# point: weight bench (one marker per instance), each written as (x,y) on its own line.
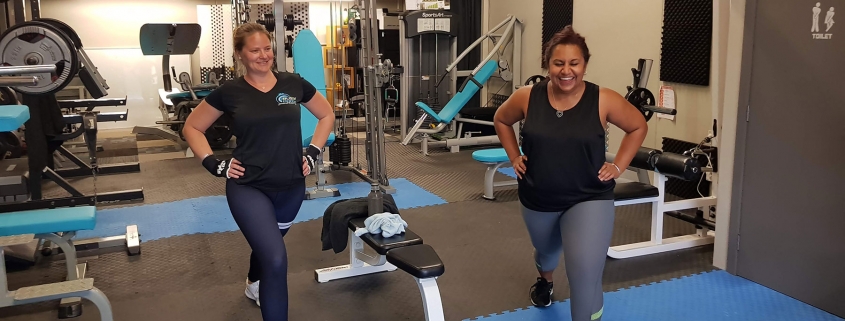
(662,165)
(57,225)
(404,251)
(449,114)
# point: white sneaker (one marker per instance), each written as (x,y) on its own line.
(252,291)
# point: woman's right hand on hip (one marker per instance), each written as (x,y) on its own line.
(519,165)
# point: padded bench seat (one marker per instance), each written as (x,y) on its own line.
(187,94)
(492,155)
(406,251)
(42,221)
(382,244)
(419,260)
(634,190)
(13,117)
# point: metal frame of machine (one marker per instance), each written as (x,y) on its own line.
(508,71)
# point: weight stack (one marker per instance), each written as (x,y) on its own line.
(340,152)
(686,42)
(557,14)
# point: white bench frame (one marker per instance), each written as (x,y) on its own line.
(69,291)
(657,243)
(361,263)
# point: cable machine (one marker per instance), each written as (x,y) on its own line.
(363,31)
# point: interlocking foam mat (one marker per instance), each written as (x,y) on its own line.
(701,297)
(211,214)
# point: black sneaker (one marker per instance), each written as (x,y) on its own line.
(541,293)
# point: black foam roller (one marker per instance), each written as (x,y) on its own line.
(644,158)
(678,166)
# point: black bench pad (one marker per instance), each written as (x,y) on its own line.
(384,244)
(634,190)
(418,260)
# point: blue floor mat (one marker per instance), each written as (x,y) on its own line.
(703,297)
(507,171)
(211,214)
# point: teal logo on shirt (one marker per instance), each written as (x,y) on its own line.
(285,99)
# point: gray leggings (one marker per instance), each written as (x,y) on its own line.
(583,233)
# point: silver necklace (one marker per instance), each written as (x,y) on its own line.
(559,113)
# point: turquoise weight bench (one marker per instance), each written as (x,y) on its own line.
(56,225)
(186,95)
(662,166)
(450,112)
(494,158)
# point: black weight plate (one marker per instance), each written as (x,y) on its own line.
(534,79)
(217,135)
(220,132)
(77,42)
(11,145)
(8,97)
(39,43)
(641,97)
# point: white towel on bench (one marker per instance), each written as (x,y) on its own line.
(387,224)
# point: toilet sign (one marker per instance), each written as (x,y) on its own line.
(821,28)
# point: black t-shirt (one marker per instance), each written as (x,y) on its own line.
(267,127)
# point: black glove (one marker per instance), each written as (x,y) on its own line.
(311,155)
(217,167)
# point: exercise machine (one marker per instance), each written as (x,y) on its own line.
(175,105)
(449,115)
(279,27)
(426,49)
(56,225)
(405,251)
(39,58)
(307,58)
(56,44)
(642,98)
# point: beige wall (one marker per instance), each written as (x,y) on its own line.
(109,30)
(115,24)
(618,34)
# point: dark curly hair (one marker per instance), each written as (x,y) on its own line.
(566,36)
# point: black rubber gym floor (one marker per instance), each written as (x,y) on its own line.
(483,244)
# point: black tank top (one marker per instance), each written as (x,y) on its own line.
(565,152)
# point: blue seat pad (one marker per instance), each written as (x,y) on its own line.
(187,94)
(13,117)
(63,219)
(493,155)
(451,109)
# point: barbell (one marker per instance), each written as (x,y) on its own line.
(643,100)
(51,53)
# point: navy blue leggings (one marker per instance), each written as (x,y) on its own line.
(264,218)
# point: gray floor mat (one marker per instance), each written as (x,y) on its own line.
(483,245)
